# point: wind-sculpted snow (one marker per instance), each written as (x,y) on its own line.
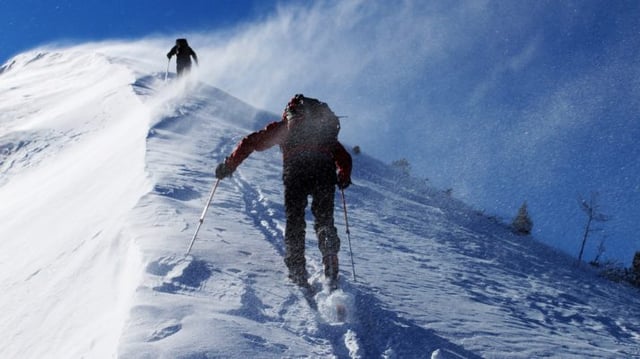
(450,274)
(103,182)
(72,168)
(188,276)
(237,266)
(20,150)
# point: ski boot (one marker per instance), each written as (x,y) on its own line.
(300,278)
(330,262)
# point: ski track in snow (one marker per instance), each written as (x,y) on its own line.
(434,278)
(258,197)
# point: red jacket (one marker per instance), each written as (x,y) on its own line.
(276,133)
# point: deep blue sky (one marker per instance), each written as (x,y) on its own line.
(502,101)
(27,23)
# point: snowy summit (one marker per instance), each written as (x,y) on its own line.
(105,169)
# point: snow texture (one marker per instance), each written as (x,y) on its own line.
(105,169)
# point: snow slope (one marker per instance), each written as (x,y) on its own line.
(105,170)
(68,267)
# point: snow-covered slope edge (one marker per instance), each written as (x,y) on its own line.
(232,299)
(104,173)
(433,275)
(72,142)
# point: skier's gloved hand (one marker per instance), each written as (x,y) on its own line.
(223,171)
(169,56)
(343,180)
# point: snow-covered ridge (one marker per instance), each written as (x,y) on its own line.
(72,142)
(53,99)
(104,172)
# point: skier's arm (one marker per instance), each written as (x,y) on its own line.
(172,52)
(195,57)
(261,140)
(343,164)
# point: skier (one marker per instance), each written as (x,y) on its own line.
(183,53)
(314,162)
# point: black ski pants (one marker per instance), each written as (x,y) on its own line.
(183,66)
(304,178)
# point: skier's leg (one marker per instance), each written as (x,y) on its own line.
(328,240)
(294,238)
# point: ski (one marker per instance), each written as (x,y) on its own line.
(326,298)
(309,293)
(341,312)
(319,299)
(340,308)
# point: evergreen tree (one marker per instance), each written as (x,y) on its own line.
(522,224)
(635,269)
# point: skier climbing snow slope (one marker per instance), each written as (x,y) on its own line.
(102,180)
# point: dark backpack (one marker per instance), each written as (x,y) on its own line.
(311,124)
(182,48)
(182,43)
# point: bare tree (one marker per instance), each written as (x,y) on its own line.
(592,209)
(403,165)
(601,249)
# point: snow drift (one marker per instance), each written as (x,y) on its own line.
(105,169)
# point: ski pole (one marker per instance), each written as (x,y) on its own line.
(346,222)
(166,73)
(204,212)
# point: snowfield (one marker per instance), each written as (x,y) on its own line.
(105,169)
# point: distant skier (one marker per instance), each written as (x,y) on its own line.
(314,162)
(183,53)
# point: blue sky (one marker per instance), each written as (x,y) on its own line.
(24,24)
(501,101)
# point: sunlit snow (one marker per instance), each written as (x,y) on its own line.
(105,169)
